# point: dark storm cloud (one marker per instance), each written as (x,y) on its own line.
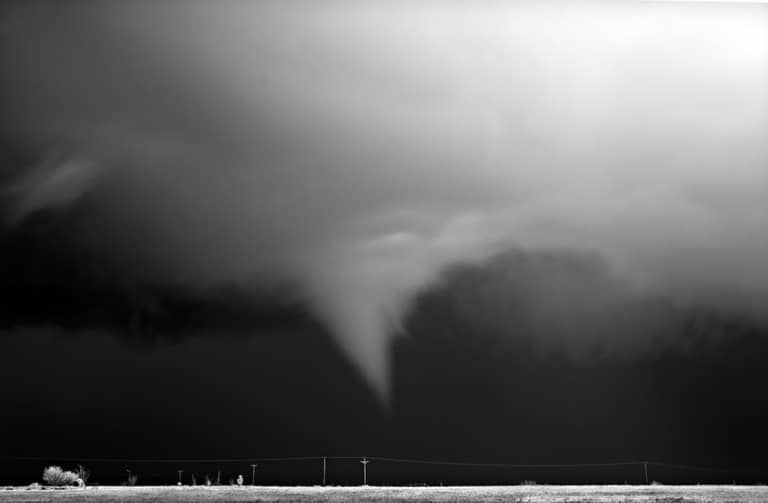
(561,301)
(73,290)
(353,151)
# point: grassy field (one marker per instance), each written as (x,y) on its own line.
(533,494)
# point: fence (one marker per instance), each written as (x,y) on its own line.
(357,470)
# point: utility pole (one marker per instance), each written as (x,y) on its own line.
(253,474)
(179,472)
(323,470)
(645,465)
(365,471)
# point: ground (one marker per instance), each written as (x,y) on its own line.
(532,494)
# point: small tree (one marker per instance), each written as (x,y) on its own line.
(83,473)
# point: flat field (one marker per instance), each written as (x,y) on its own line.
(533,494)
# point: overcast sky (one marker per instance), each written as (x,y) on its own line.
(602,165)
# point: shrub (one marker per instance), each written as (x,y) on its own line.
(55,476)
(132,479)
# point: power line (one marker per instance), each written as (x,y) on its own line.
(136,460)
(710,469)
(392,460)
(504,465)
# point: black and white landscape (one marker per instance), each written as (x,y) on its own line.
(527,241)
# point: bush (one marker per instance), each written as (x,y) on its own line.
(55,476)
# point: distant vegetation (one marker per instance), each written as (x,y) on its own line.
(55,476)
(83,473)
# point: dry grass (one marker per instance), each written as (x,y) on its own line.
(532,494)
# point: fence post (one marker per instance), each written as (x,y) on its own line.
(323,470)
(645,465)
